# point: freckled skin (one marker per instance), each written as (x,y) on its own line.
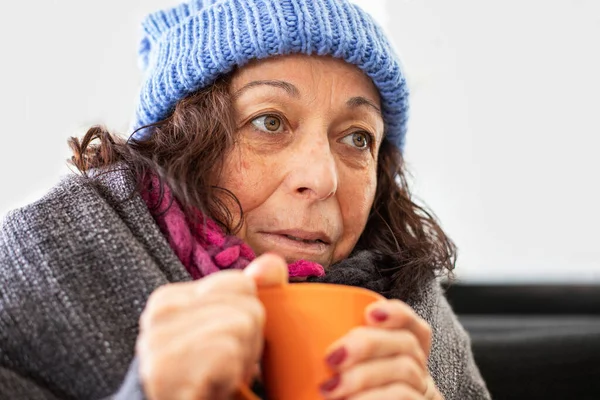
(311,173)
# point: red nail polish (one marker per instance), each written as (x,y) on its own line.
(330,384)
(379,315)
(337,357)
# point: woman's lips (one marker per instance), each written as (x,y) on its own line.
(286,242)
(301,235)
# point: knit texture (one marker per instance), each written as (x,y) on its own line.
(187,47)
(76,270)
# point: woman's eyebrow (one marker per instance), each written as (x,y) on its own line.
(359,101)
(288,87)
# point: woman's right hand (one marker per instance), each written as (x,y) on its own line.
(202,339)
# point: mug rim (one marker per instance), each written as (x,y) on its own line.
(320,287)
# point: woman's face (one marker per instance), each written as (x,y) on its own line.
(305,160)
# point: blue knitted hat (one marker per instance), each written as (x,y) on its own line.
(188,47)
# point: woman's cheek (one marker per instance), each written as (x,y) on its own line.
(356,193)
(248,176)
(356,200)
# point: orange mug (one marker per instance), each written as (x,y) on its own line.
(302,321)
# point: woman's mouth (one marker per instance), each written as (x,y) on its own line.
(303,240)
(296,241)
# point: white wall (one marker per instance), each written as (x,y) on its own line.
(505,130)
(502,141)
(64,66)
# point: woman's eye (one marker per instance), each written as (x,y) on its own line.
(360,140)
(267,123)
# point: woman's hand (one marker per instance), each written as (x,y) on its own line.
(200,340)
(386,359)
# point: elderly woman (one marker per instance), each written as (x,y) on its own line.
(268,142)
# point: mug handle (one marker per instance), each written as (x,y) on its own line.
(244,393)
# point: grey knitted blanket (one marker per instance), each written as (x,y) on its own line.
(76,269)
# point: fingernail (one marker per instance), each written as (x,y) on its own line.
(330,384)
(379,315)
(337,357)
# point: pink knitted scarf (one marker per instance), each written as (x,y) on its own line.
(200,244)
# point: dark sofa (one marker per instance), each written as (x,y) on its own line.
(533,341)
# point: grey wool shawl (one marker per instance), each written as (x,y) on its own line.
(76,269)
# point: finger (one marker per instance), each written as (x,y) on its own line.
(180,308)
(242,318)
(377,373)
(250,340)
(218,311)
(253,374)
(214,367)
(394,314)
(395,391)
(168,299)
(368,343)
(190,354)
(228,281)
(268,270)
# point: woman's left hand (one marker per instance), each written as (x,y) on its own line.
(386,359)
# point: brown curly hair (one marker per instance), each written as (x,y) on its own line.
(187,150)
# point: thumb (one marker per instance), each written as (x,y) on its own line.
(268,270)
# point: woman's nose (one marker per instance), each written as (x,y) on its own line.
(314,173)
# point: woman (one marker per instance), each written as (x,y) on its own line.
(270,128)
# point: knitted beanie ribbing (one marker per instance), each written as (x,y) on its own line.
(187,47)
